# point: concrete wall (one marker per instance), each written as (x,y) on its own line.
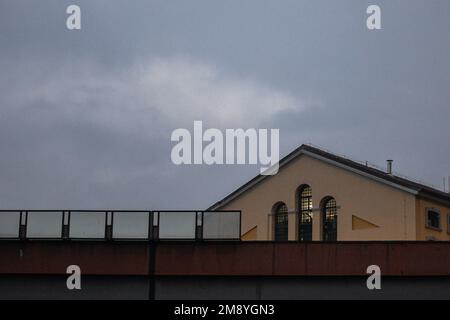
(50,287)
(300,288)
(391,209)
(221,288)
(223,270)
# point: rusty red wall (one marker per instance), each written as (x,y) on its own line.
(296,259)
(222,258)
(53,257)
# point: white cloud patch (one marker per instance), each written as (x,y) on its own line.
(183,89)
(173,90)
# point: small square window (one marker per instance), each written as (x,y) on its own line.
(433,219)
(448,223)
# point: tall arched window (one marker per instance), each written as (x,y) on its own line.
(329,219)
(305,213)
(281,222)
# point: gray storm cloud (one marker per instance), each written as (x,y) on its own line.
(86,116)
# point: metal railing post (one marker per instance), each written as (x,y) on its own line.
(109,225)
(199,226)
(23,225)
(65,225)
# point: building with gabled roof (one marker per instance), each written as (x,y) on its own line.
(318,195)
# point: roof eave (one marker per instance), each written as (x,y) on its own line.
(294,155)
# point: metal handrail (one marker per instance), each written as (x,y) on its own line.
(65,231)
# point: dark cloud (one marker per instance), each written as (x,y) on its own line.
(86,116)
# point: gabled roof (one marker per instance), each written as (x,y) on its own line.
(406,185)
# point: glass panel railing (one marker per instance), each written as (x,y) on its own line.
(87,224)
(9,224)
(221,225)
(83,224)
(130,225)
(177,224)
(44,224)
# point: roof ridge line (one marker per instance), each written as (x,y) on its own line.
(406,184)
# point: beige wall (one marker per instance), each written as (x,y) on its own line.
(424,233)
(393,210)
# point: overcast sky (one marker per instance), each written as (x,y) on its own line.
(86,116)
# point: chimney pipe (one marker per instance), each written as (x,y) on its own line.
(389,166)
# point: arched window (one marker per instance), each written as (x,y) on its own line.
(304,213)
(329,219)
(281,221)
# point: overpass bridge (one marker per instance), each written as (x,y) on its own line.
(205,261)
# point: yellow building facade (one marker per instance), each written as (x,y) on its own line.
(318,196)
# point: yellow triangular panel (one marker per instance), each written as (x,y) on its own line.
(358,223)
(251,234)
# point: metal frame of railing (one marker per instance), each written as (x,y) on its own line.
(153,232)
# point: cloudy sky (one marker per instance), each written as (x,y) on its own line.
(86,116)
